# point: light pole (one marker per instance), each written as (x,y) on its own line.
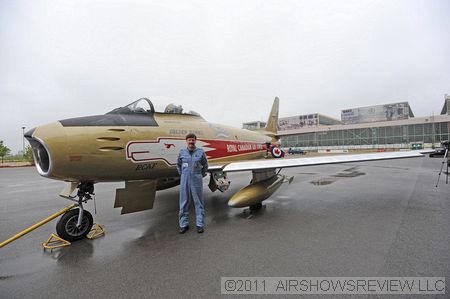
(23,141)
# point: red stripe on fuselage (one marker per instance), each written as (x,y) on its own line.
(229,148)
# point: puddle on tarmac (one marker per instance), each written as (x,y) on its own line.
(351,174)
(5,277)
(347,173)
(322,182)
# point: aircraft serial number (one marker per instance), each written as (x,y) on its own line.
(146,166)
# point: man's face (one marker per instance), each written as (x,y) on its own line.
(191,143)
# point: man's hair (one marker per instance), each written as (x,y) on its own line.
(191,135)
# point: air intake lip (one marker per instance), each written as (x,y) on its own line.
(29,134)
(41,154)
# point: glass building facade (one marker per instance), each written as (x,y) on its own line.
(372,137)
(373,127)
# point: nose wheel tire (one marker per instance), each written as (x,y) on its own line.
(67,228)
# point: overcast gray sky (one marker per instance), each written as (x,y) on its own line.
(225,59)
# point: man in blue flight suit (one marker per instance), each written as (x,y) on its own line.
(192,166)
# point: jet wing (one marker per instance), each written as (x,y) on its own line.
(299,162)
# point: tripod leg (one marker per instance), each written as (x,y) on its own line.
(442,167)
(446,177)
(439,176)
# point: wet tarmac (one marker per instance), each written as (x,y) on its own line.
(375,219)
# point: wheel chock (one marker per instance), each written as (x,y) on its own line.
(96,231)
(55,242)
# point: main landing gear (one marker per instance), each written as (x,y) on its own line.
(256,207)
(76,224)
(253,209)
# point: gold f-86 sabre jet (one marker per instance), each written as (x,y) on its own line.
(139,145)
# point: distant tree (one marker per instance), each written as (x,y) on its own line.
(28,155)
(4,150)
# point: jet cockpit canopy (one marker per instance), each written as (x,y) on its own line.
(145,106)
(141,106)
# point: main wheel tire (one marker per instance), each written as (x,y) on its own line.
(256,207)
(67,228)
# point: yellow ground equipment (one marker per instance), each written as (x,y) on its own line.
(40,223)
(55,242)
(96,231)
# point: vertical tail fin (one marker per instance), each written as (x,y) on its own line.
(272,122)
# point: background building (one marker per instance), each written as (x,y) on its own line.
(388,112)
(375,127)
(254,125)
(305,121)
(446,108)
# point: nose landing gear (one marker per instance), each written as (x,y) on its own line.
(76,224)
